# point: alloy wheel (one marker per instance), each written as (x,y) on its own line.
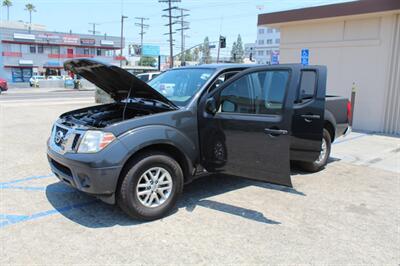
(154,187)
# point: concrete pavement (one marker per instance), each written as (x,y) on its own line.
(346,214)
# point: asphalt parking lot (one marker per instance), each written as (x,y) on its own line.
(345,214)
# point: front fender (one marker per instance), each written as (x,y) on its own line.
(142,137)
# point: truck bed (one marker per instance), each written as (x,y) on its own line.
(336,109)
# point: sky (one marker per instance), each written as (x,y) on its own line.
(207,18)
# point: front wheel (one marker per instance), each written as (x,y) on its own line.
(151,186)
(322,160)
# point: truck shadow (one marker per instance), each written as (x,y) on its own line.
(90,212)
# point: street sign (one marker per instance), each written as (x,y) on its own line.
(304,56)
(274,59)
(150,50)
(212,46)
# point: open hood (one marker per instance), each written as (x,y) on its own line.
(114,80)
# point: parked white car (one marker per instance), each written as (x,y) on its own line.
(148,76)
(34,80)
(54,78)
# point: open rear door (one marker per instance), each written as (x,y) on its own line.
(249,134)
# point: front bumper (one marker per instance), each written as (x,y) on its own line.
(98,181)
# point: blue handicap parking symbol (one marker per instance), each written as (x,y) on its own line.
(304,56)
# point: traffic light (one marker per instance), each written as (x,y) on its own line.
(222,42)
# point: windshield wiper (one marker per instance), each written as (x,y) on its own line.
(154,101)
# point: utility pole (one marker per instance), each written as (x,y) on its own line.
(93,31)
(142,27)
(184,26)
(170,17)
(122,38)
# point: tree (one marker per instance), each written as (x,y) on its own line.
(234,52)
(237,52)
(196,52)
(8,4)
(206,51)
(239,49)
(30,8)
(188,56)
(147,61)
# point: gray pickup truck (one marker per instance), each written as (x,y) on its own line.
(242,120)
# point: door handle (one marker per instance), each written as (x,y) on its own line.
(311,116)
(275,132)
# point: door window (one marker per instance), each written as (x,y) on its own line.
(270,88)
(307,85)
(261,92)
(237,97)
(222,79)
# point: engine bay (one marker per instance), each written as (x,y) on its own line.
(105,115)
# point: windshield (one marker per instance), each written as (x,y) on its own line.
(180,85)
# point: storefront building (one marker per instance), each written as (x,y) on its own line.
(24,52)
(359,42)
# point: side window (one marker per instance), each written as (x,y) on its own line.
(256,93)
(237,97)
(270,88)
(221,79)
(307,85)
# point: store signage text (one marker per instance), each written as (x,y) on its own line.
(71,40)
(88,41)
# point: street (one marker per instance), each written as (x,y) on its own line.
(56,94)
(347,213)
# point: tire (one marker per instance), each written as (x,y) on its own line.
(320,163)
(136,180)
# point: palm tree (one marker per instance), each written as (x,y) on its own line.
(30,8)
(8,4)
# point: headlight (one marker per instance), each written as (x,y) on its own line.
(94,141)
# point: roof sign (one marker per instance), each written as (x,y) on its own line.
(24,62)
(87,41)
(106,42)
(22,36)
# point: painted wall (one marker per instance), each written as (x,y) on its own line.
(356,49)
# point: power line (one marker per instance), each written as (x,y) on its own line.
(142,27)
(184,26)
(170,33)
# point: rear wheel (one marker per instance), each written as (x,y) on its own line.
(151,186)
(322,160)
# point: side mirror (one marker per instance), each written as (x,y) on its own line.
(211,106)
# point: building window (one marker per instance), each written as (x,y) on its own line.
(24,48)
(260,53)
(47,49)
(260,42)
(277,30)
(40,49)
(278,40)
(268,52)
(109,52)
(260,31)
(86,51)
(32,49)
(98,52)
(55,50)
(269,41)
(270,31)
